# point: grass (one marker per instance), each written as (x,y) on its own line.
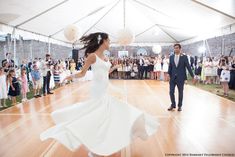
(19,98)
(215,89)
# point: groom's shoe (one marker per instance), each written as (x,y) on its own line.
(179,109)
(171,108)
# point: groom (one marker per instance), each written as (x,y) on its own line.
(177,72)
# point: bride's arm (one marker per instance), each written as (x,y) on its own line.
(90,60)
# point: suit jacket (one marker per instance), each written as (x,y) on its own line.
(179,72)
(192,61)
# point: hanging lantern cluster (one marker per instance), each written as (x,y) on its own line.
(157,49)
(71,33)
(125,37)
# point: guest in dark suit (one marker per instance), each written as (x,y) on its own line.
(177,72)
(192,62)
(141,67)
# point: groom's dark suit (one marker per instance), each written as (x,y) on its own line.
(178,75)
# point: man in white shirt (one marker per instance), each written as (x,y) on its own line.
(46,73)
(146,63)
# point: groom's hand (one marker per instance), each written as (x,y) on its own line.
(168,77)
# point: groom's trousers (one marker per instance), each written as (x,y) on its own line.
(180,85)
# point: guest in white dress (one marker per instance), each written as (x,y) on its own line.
(103,124)
(165,67)
(3,88)
(208,70)
(52,81)
(224,76)
(157,67)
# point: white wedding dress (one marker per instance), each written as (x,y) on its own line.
(103,124)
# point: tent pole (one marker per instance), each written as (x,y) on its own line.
(49,45)
(31,50)
(208,47)
(204,45)
(222,46)
(124,14)
(14,47)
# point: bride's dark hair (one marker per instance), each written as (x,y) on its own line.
(93,41)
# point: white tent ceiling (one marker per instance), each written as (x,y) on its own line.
(152,21)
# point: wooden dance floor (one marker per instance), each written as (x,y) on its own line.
(206,124)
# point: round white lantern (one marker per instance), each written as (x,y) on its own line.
(157,49)
(107,53)
(125,37)
(202,49)
(71,33)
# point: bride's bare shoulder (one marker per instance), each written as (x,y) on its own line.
(91,58)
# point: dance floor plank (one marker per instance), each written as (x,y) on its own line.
(206,124)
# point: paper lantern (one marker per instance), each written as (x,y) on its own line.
(71,33)
(202,49)
(157,49)
(125,37)
(107,53)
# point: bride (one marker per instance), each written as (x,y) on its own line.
(103,124)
